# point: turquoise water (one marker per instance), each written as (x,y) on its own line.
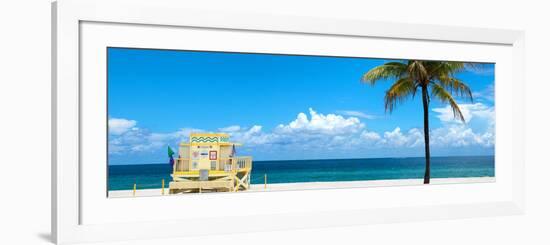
(123,177)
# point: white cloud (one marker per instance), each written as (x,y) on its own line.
(457,134)
(330,124)
(327,131)
(229,129)
(118,126)
(316,131)
(358,114)
(412,138)
(251,136)
(461,136)
(469,111)
(449,136)
(126,137)
(370,136)
(320,133)
(395,137)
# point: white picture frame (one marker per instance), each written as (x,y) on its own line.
(68,197)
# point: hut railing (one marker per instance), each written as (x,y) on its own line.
(224,164)
(234,163)
(181,165)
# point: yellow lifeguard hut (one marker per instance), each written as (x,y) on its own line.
(208,162)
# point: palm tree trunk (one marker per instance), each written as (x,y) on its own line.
(425,103)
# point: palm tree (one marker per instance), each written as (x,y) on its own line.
(433,78)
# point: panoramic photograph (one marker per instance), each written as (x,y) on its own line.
(185,122)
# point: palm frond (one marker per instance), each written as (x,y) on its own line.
(444,96)
(417,70)
(388,70)
(398,92)
(446,67)
(455,86)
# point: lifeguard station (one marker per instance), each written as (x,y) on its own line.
(209,163)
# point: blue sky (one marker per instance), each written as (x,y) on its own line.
(279,107)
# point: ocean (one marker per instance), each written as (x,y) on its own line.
(148,176)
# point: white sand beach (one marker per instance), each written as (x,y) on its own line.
(320,185)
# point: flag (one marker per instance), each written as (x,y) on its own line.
(171,155)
